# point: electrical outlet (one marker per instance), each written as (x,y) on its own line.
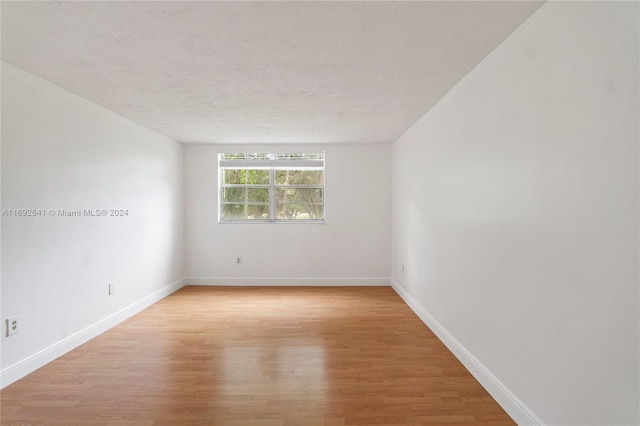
(112,289)
(402,269)
(238,260)
(13,325)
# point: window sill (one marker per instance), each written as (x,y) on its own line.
(262,222)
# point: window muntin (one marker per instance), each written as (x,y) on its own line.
(265,187)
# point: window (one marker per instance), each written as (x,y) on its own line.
(266,187)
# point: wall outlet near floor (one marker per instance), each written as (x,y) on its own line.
(13,325)
(238,260)
(112,289)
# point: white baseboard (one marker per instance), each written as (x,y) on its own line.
(222,281)
(45,356)
(507,400)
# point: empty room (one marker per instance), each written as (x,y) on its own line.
(311,213)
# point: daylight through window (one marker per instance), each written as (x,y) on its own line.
(268,187)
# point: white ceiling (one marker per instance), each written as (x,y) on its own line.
(254,72)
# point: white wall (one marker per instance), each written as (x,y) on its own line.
(515,211)
(62,152)
(352,247)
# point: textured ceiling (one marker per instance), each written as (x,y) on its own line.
(253,72)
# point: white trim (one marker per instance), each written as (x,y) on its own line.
(274,282)
(269,164)
(507,400)
(30,364)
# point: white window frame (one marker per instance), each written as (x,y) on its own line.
(271,162)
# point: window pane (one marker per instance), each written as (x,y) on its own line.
(233,194)
(258,195)
(242,211)
(299,177)
(258,177)
(233,211)
(299,211)
(242,195)
(235,176)
(246,176)
(258,212)
(298,195)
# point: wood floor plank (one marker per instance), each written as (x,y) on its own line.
(270,356)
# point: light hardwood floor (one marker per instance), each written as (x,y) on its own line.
(229,356)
